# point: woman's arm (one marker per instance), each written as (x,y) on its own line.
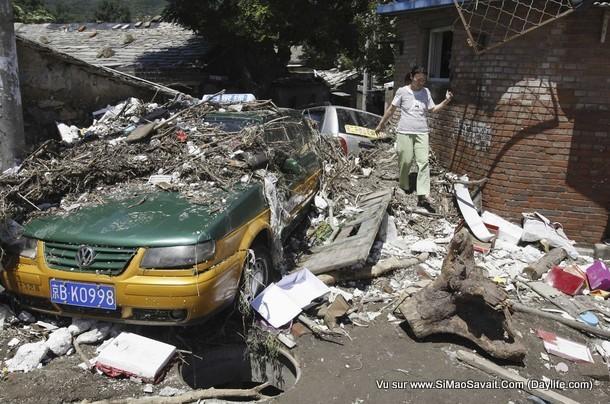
(388,114)
(448,98)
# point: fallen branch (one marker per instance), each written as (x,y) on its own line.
(380,268)
(192,396)
(518,307)
(491,368)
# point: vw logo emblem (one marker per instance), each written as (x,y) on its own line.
(85,256)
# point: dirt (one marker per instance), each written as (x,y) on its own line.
(344,372)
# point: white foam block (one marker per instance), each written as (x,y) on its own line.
(136,355)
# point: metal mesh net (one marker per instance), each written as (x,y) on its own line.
(490,23)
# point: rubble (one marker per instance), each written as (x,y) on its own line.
(60,341)
(28,357)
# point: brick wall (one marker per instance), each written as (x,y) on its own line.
(532,116)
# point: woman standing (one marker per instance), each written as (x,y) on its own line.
(414,101)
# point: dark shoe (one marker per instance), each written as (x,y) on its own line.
(426,203)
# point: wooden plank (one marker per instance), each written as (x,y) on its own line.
(348,250)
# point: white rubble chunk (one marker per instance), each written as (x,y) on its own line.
(426,245)
(47,326)
(6,315)
(13,342)
(60,341)
(80,325)
(97,334)
(169,391)
(136,355)
(68,133)
(334,292)
(26,317)
(28,357)
(320,202)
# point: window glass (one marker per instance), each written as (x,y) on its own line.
(316,115)
(355,118)
(439,53)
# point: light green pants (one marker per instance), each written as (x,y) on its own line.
(409,146)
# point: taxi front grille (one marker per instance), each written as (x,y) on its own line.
(107,260)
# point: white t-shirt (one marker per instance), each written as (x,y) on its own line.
(414,107)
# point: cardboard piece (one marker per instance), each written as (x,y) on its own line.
(134,355)
(282,301)
(565,348)
(598,276)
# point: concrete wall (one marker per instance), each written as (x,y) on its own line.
(56,87)
(532,116)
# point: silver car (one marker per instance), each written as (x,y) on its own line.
(354,128)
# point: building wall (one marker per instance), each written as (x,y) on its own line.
(532,116)
(55,88)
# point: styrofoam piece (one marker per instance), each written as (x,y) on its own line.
(28,357)
(60,341)
(136,355)
(509,232)
(471,216)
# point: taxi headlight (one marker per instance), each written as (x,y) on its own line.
(27,247)
(183,256)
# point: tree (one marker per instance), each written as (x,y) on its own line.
(31,12)
(254,37)
(112,11)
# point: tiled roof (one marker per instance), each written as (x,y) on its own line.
(335,77)
(158,46)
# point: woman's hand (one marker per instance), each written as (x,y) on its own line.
(448,95)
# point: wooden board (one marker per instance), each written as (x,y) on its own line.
(354,240)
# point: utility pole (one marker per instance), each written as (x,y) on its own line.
(11,115)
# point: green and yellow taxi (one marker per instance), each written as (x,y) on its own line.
(160,259)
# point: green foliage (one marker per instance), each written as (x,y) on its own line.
(112,11)
(259,33)
(31,12)
(67,11)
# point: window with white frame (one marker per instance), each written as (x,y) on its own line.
(439,53)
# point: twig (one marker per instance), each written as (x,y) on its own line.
(28,201)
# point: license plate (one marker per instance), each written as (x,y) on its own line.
(83,294)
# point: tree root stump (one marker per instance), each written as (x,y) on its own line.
(464,302)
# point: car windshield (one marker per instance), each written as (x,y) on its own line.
(356,118)
(230,123)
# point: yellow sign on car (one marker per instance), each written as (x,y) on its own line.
(360,131)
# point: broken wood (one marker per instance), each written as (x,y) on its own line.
(518,307)
(353,242)
(545,263)
(464,302)
(491,368)
(255,393)
(380,268)
(81,355)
